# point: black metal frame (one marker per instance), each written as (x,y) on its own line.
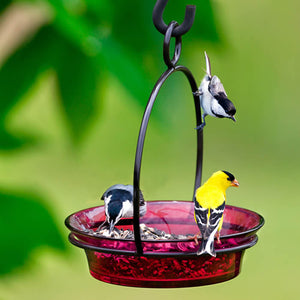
(173,29)
(161,26)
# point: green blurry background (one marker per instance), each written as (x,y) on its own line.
(74,80)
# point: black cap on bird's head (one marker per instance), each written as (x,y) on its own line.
(231,178)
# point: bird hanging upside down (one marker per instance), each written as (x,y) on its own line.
(213,98)
(209,207)
(118,203)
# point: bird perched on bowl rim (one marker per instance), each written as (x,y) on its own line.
(209,207)
(213,98)
(118,203)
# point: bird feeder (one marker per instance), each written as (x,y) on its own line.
(173,262)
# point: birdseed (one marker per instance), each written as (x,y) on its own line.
(147,233)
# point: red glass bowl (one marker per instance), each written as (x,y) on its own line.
(165,263)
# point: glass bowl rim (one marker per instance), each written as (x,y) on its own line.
(246,232)
(86,246)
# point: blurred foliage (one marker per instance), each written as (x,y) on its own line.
(257,60)
(4,3)
(25,224)
(85,42)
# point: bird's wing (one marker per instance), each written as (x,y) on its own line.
(215,218)
(141,198)
(209,207)
(216,87)
(223,104)
(201,216)
(217,90)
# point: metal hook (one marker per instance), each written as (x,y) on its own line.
(161,26)
(168,61)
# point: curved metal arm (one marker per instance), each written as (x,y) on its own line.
(161,26)
(140,146)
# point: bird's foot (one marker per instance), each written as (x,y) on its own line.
(197,93)
(195,238)
(200,127)
(103,225)
(218,238)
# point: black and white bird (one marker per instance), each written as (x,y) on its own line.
(118,203)
(213,98)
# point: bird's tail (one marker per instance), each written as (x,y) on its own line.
(207,247)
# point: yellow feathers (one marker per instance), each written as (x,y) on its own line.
(212,193)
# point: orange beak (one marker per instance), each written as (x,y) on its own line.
(235,183)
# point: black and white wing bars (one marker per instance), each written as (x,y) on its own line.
(208,221)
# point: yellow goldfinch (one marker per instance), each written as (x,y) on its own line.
(209,208)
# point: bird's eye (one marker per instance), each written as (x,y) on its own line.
(228,179)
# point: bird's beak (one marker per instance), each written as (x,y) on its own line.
(208,68)
(233,119)
(111,227)
(235,183)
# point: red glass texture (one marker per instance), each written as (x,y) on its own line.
(183,267)
(167,272)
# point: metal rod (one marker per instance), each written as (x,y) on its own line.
(171,62)
(141,140)
(173,29)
